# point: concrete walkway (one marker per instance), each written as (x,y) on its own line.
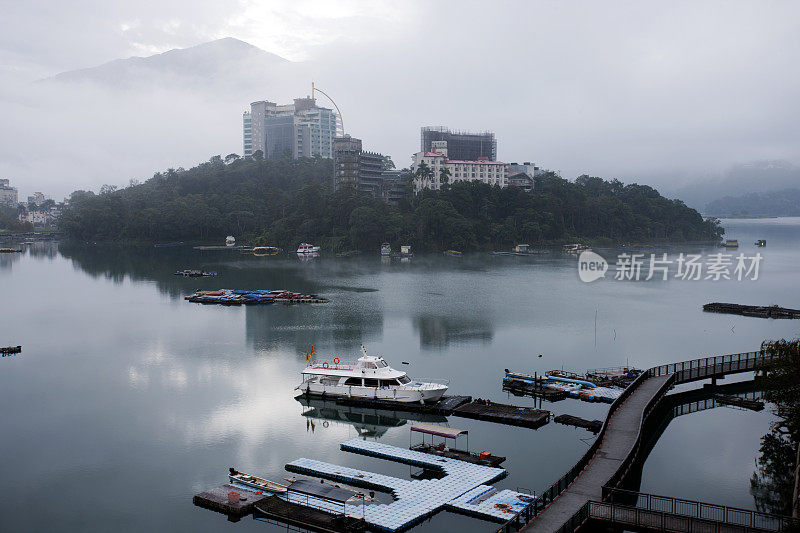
(619,439)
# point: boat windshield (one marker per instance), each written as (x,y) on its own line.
(381,363)
(404,379)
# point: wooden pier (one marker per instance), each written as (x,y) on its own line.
(504,414)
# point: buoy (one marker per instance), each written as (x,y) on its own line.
(335,360)
(325,365)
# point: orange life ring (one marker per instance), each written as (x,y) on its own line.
(325,364)
(335,360)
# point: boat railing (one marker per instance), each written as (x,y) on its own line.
(429,383)
(327,365)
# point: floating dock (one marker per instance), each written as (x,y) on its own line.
(569,420)
(216,499)
(253,297)
(504,414)
(462,489)
(771,311)
(10,350)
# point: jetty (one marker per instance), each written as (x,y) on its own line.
(586,493)
(758,311)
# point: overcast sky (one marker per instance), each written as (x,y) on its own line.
(642,91)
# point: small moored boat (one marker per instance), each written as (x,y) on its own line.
(255,482)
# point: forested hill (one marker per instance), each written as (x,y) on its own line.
(784,203)
(284,202)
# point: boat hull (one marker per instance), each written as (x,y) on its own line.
(431,393)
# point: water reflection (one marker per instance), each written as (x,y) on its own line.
(368,422)
(436,331)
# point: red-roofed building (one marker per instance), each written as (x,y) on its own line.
(482,169)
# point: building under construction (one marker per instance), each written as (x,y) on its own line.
(461,145)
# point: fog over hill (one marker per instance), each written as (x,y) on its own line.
(577,89)
(224,62)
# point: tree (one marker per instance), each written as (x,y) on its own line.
(230,158)
(258,155)
(444,175)
(783,389)
(108,189)
(388,164)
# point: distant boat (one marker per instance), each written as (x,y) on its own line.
(406,251)
(190,273)
(167,244)
(452,253)
(574,248)
(306,248)
(386,249)
(9,251)
(761,243)
(230,240)
(265,250)
(731,243)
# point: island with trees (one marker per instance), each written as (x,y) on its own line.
(284,201)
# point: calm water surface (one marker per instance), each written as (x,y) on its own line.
(127,399)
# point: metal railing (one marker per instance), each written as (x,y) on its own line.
(681,372)
(676,514)
(705,367)
(560,485)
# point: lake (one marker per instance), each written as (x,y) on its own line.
(127,399)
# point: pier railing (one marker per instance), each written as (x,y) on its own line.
(707,367)
(561,484)
(677,514)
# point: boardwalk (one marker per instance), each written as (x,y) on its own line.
(620,438)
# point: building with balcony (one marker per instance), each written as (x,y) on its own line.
(437,159)
(354,167)
(300,129)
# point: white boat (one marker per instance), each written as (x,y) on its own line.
(368,378)
(306,248)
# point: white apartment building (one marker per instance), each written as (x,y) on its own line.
(302,128)
(483,170)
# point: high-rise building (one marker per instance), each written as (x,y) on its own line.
(302,128)
(8,194)
(461,145)
(356,168)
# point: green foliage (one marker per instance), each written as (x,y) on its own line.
(9,220)
(283,202)
(772,484)
(783,385)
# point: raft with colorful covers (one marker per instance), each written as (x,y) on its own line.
(252,297)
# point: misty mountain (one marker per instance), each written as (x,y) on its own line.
(784,203)
(743,179)
(225,61)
